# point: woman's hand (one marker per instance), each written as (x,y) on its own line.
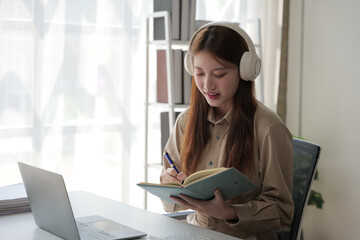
(215,207)
(170,175)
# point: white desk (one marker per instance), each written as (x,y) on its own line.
(22,226)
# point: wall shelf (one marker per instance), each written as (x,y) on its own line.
(168,44)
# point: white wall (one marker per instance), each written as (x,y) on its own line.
(325,108)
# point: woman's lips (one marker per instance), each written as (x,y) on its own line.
(213,95)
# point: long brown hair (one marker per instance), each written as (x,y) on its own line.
(224,44)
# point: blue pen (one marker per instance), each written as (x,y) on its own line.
(171,162)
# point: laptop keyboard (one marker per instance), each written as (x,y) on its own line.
(189,236)
(88,232)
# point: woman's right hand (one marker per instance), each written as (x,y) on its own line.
(170,175)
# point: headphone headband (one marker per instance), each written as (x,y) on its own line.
(250,63)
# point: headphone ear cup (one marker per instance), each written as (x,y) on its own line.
(188,65)
(250,66)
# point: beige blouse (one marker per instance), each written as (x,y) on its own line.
(268,207)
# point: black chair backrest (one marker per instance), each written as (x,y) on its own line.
(306,155)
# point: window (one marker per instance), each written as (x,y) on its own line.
(71,85)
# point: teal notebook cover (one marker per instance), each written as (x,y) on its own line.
(231,183)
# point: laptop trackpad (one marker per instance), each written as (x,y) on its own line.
(110,226)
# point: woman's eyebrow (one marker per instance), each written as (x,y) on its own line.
(215,69)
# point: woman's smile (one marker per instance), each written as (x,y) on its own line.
(213,96)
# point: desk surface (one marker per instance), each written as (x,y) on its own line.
(22,226)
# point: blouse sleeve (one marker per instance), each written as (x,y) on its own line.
(173,148)
(273,208)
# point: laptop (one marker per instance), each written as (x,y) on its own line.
(51,208)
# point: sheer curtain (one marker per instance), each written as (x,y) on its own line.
(72,92)
(72,85)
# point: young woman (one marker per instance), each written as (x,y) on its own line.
(225,126)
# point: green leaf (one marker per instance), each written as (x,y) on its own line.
(316,199)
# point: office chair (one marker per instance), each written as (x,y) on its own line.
(306,155)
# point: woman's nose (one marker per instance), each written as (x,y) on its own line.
(209,83)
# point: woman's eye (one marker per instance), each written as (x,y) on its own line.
(199,74)
(219,75)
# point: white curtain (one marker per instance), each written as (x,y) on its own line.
(72,86)
(72,92)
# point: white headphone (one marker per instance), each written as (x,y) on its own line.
(250,63)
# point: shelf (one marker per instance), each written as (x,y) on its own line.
(169,45)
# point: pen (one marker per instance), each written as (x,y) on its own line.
(171,162)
